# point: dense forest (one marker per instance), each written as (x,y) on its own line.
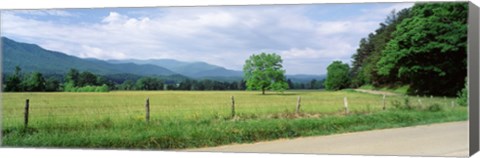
(423,47)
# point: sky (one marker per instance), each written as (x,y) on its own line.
(307,37)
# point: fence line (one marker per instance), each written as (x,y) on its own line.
(147,107)
(30,112)
(298,104)
(32,116)
(233,107)
(27,104)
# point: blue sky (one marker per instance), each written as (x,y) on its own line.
(308,37)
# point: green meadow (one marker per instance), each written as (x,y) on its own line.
(191,119)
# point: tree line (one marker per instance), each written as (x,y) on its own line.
(37,82)
(85,81)
(423,47)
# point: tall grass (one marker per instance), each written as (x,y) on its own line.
(181,119)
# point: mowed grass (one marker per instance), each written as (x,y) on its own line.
(187,119)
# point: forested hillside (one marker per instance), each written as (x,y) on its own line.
(31,57)
(423,47)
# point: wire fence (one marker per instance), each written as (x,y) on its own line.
(227,107)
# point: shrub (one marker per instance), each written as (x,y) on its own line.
(462,98)
(70,88)
(396,104)
(435,107)
(406,103)
(405,106)
(103,88)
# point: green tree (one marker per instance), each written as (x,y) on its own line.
(364,64)
(127,85)
(35,82)
(264,72)
(86,79)
(149,83)
(14,83)
(69,87)
(428,50)
(72,77)
(313,83)
(52,84)
(337,76)
(101,80)
(290,84)
(102,88)
(186,85)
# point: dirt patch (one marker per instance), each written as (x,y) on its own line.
(376,92)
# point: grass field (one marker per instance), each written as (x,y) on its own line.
(187,119)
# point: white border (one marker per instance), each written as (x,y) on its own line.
(82,153)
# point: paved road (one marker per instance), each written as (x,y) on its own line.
(445,139)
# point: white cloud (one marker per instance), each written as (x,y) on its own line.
(114,17)
(224,36)
(94,52)
(343,27)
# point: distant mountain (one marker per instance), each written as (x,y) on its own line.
(191,69)
(31,57)
(305,78)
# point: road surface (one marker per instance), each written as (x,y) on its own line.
(444,139)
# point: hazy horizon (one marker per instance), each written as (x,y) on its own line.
(307,37)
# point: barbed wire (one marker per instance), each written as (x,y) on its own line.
(38,110)
(32,115)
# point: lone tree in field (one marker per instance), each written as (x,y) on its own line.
(337,76)
(264,72)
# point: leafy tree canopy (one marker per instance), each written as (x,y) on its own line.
(428,50)
(35,82)
(264,72)
(364,64)
(337,76)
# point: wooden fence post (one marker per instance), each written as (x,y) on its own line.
(27,104)
(233,107)
(147,108)
(383,101)
(345,103)
(298,104)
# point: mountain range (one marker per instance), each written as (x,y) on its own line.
(191,69)
(31,57)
